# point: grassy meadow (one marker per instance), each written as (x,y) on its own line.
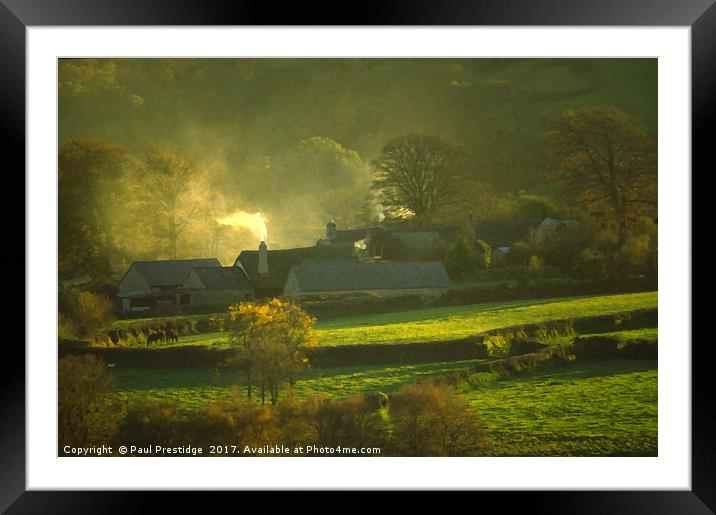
(192,389)
(586,408)
(599,409)
(590,409)
(452,322)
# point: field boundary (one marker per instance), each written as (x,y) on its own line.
(492,343)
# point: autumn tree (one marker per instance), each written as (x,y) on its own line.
(87,414)
(84,311)
(432,419)
(272,339)
(351,422)
(416,176)
(606,161)
(89,172)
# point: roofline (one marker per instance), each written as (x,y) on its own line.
(275,250)
(175,260)
(164,261)
(380,289)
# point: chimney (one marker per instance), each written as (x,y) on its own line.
(331,230)
(263,259)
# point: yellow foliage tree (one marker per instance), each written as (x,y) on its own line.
(272,339)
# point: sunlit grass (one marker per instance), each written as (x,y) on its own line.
(649,333)
(445,323)
(605,408)
(192,389)
(456,322)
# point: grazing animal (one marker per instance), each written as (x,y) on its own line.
(154,337)
(173,335)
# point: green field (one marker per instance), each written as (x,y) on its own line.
(445,323)
(584,409)
(193,389)
(605,408)
(600,409)
(630,335)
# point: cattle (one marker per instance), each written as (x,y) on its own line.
(154,337)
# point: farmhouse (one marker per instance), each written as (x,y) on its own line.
(377,261)
(216,286)
(336,236)
(341,277)
(268,269)
(151,284)
(431,243)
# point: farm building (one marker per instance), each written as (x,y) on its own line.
(336,236)
(500,233)
(151,284)
(341,277)
(268,269)
(550,228)
(428,244)
(215,286)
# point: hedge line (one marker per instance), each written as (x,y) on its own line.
(515,340)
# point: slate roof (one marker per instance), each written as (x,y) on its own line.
(223,278)
(171,272)
(503,232)
(349,235)
(280,262)
(319,275)
(553,223)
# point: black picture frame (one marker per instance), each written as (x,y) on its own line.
(700,15)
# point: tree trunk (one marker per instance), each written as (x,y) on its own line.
(622,224)
(263,395)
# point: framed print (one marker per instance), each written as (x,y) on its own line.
(438,249)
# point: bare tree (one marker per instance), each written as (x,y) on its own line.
(167,178)
(605,160)
(416,176)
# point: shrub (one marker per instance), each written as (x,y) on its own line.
(562,247)
(479,379)
(461,260)
(86,312)
(639,254)
(87,414)
(555,356)
(535,265)
(593,264)
(233,419)
(65,328)
(149,422)
(497,345)
(519,254)
(430,419)
(484,255)
(351,422)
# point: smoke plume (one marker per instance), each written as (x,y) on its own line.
(255,222)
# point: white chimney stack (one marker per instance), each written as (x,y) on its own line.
(263,259)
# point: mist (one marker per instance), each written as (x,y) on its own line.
(280,146)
